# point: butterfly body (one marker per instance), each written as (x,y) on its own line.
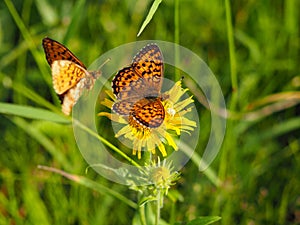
(137,88)
(69,74)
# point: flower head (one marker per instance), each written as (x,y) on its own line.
(159,175)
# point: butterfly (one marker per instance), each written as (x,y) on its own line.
(69,75)
(137,88)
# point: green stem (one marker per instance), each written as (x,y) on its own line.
(176,37)
(107,143)
(173,213)
(232,57)
(158,206)
(142,214)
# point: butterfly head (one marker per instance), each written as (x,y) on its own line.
(95,74)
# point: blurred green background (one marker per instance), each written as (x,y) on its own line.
(259,163)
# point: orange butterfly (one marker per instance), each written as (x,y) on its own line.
(137,88)
(69,75)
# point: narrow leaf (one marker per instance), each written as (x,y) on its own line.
(152,10)
(32,113)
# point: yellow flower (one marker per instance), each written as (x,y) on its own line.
(147,138)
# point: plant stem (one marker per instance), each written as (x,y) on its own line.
(173,213)
(142,214)
(158,206)
(176,37)
(232,57)
(105,142)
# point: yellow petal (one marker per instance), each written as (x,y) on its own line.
(162,149)
(108,103)
(171,141)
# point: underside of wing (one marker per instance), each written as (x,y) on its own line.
(65,75)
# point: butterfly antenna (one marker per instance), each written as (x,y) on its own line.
(97,73)
(106,61)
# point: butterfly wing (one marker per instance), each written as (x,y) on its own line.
(69,74)
(148,64)
(67,101)
(149,112)
(123,107)
(57,51)
(127,84)
(65,75)
(137,88)
(71,95)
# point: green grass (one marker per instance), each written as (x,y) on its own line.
(256,62)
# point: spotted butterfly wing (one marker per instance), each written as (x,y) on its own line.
(69,74)
(149,112)
(124,107)
(65,75)
(57,51)
(69,81)
(143,77)
(128,84)
(137,88)
(148,64)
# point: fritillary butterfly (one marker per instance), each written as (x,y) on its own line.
(137,88)
(69,75)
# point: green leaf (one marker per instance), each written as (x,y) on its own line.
(202,220)
(32,113)
(152,10)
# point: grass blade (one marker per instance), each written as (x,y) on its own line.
(32,113)
(76,15)
(152,10)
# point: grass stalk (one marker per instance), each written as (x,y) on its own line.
(158,206)
(232,56)
(176,38)
(142,214)
(26,34)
